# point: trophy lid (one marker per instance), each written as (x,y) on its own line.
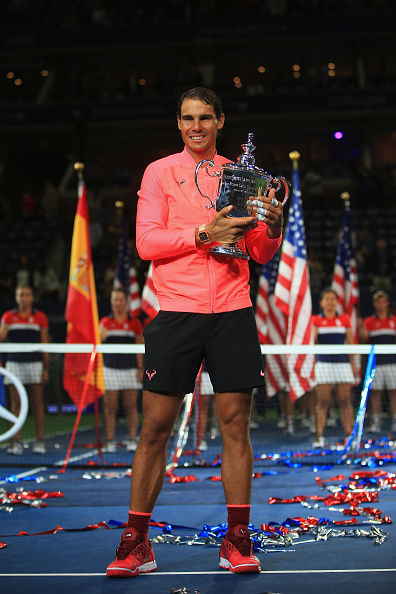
(246,158)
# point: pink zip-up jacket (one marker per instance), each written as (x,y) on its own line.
(188,278)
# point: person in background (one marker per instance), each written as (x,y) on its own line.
(108,278)
(122,372)
(6,283)
(24,272)
(317,272)
(45,282)
(381,266)
(208,404)
(49,201)
(380,328)
(337,371)
(26,324)
(29,203)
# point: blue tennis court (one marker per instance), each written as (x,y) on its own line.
(94,504)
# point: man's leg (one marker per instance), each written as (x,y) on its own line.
(15,407)
(37,404)
(149,464)
(344,399)
(233,410)
(110,407)
(375,400)
(323,399)
(392,400)
(129,402)
(134,554)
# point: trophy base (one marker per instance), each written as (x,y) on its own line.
(229,251)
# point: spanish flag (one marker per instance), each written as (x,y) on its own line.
(82,310)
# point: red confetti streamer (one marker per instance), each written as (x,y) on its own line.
(339,477)
(61,529)
(297,499)
(181,479)
(342,522)
(386,520)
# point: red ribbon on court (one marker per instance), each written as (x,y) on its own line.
(61,529)
(297,499)
(181,479)
(27,495)
(362,497)
(344,522)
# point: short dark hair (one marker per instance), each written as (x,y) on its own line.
(202,94)
(23,286)
(328,290)
(120,290)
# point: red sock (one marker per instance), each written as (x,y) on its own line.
(141,522)
(238,514)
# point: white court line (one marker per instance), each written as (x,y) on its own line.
(156,573)
(27,473)
(77,458)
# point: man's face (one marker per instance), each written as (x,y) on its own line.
(24,297)
(118,303)
(381,305)
(198,125)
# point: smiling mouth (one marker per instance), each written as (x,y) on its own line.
(197,137)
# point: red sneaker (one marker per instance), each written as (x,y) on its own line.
(132,557)
(237,555)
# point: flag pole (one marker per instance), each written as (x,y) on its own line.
(79,168)
(345,197)
(294,156)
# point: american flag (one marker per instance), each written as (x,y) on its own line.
(126,277)
(293,295)
(272,327)
(345,280)
(150,304)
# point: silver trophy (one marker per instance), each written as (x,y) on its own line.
(237,183)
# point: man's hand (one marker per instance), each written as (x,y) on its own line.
(269,210)
(225,229)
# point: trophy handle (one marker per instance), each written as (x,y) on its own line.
(215,174)
(280,181)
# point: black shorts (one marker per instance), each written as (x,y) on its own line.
(177,342)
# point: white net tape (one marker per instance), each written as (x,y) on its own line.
(276,427)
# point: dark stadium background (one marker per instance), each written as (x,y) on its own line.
(97,81)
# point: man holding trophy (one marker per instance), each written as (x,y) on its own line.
(205,312)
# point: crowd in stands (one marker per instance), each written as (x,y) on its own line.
(39,226)
(42,220)
(80,14)
(120,76)
(35,259)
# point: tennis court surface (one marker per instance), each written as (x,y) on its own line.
(297,512)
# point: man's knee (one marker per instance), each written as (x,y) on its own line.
(155,431)
(236,427)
